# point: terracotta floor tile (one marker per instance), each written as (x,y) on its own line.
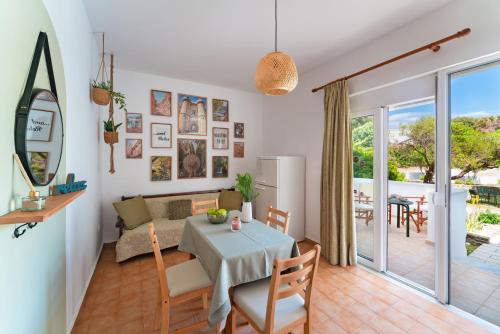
(122,298)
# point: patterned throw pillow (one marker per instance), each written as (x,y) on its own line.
(179,209)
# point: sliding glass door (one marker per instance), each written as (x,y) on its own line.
(410,181)
(473,197)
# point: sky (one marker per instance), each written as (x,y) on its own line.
(473,94)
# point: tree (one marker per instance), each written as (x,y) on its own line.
(475,144)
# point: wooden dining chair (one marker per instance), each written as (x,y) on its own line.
(178,284)
(274,216)
(200,207)
(282,303)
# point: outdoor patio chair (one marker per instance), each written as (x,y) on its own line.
(418,211)
(363,207)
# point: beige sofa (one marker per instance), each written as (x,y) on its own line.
(135,242)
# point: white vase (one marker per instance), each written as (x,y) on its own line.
(246,212)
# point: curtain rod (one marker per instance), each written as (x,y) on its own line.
(434,46)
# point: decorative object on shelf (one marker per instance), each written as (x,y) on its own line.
(110,134)
(134,122)
(220,166)
(220,110)
(161,168)
(236,224)
(133,148)
(220,138)
(191,115)
(161,135)
(191,158)
(276,73)
(244,184)
(239,130)
(239,149)
(32,202)
(69,187)
(217,216)
(38,124)
(161,103)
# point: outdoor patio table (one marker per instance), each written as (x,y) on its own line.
(405,204)
(233,258)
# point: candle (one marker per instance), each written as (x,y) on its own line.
(236,224)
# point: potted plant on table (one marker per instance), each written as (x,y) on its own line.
(110,134)
(244,184)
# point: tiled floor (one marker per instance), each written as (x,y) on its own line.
(475,283)
(121,299)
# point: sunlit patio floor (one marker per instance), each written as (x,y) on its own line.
(475,282)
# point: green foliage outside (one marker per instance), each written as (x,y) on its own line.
(489,218)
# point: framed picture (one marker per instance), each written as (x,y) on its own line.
(239,149)
(39,126)
(161,103)
(191,158)
(220,138)
(220,110)
(161,135)
(134,122)
(191,115)
(220,166)
(133,148)
(161,168)
(38,164)
(239,130)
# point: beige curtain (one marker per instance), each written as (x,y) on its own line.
(338,234)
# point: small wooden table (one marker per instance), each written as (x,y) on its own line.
(406,205)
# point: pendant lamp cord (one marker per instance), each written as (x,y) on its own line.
(275,25)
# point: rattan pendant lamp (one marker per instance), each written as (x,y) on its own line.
(276,73)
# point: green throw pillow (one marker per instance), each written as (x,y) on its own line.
(179,209)
(134,212)
(230,200)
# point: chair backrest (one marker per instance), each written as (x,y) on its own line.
(278,218)
(199,207)
(160,266)
(290,277)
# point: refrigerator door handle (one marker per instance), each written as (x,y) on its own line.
(259,188)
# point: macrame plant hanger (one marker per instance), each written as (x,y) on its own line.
(110,138)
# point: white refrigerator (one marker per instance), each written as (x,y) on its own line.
(280,180)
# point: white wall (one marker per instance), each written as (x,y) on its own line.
(83,225)
(132,176)
(294,123)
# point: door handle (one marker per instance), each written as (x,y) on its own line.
(259,188)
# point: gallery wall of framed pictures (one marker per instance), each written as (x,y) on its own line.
(187,149)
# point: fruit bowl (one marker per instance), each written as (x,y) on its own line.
(217,216)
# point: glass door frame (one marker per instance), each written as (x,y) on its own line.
(379,215)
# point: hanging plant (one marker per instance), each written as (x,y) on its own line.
(110,134)
(101,94)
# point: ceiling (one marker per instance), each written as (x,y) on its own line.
(221,41)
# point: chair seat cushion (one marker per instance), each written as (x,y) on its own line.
(251,298)
(363,206)
(186,277)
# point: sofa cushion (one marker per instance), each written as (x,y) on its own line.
(135,242)
(134,212)
(230,200)
(179,209)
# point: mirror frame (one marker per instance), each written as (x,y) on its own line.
(26,101)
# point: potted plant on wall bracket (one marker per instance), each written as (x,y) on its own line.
(110,134)
(244,184)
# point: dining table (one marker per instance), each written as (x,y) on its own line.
(234,258)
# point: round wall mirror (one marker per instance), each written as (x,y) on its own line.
(39,137)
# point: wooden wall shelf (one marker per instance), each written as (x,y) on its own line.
(53,204)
